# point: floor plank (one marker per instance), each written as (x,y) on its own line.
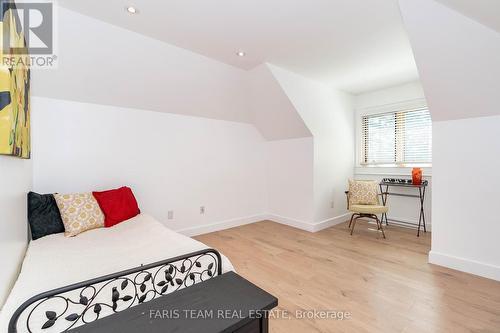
(386,284)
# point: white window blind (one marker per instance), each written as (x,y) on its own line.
(400,137)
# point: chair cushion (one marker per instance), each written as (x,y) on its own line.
(363,192)
(368,209)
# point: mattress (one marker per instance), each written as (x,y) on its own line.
(55,261)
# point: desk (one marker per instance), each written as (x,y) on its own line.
(199,310)
(389,182)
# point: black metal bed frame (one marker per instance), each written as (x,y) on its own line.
(126,289)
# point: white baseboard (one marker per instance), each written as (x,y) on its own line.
(217,226)
(331,222)
(465,265)
(407,223)
(291,222)
(307,226)
(303,225)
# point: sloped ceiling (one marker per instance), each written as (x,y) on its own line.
(104,64)
(457,58)
(486,12)
(272,111)
(353,45)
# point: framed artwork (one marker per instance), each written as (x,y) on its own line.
(14,87)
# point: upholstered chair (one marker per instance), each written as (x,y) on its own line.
(363,201)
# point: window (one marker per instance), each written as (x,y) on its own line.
(401,137)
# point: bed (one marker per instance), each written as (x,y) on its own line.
(55,261)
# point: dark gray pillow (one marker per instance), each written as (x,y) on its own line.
(43,215)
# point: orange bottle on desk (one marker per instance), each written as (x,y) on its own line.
(416,176)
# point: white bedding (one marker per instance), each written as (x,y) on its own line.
(55,261)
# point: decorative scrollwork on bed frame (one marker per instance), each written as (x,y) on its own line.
(81,303)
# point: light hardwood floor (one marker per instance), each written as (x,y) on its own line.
(387,285)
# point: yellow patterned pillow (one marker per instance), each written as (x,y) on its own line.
(79,212)
(363,192)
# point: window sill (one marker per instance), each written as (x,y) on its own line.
(403,171)
(397,166)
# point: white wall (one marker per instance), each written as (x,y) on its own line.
(16,181)
(466,228)
(334,156)
(290,179)
(172,162)
(457,59)
(329,116)
(398,97)
(400,93)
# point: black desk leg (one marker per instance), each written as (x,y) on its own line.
(386,194)
(422,209)
(384,201)
(421,217)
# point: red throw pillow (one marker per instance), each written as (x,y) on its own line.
(117,205)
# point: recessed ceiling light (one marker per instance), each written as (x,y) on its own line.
(241,54)
(131,9)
